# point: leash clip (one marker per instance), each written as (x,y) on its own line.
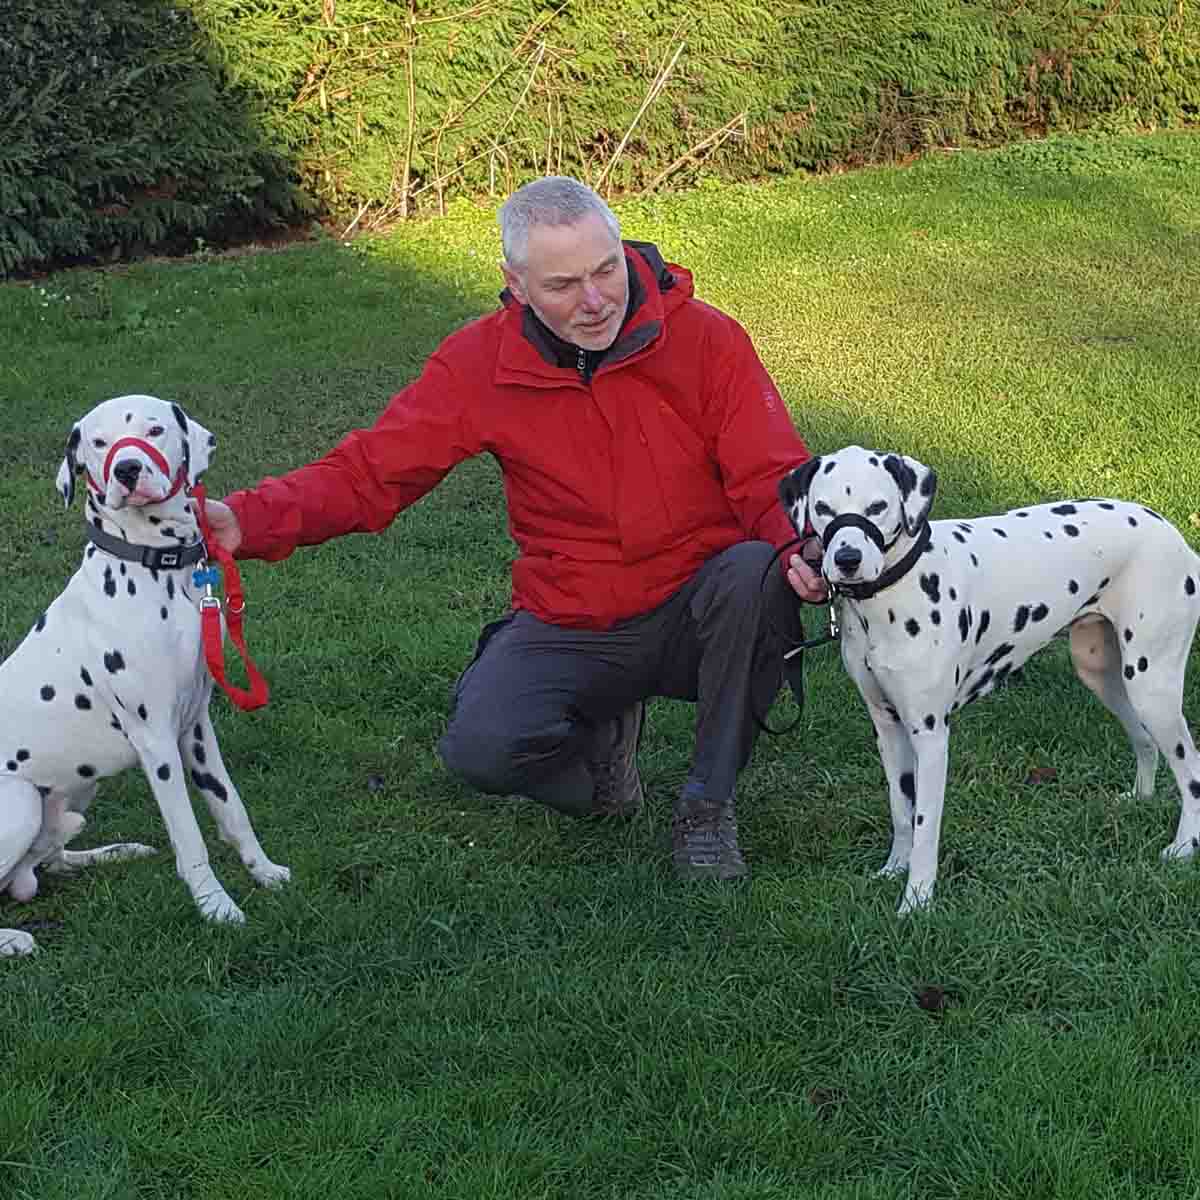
(835,630)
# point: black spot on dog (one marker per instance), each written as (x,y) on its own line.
(114,661)
(911,627)
(891,616)
(153,519)
(985,619)
(892,713)
(1090,600)
(958,537)
(930,720)
(1047,535)
(1142,663)
(85,770)
(1002,650)
(1180,752)
(1022,514)
(1072,587)
(1021,619)
(1189,586)
(162,612)
(1103,584)
(43,791)
(198,753)
(929,585)
(10,765)
(920,818)
(957,675)
(1133,521)
(974,561)
(41,622)
(22,756)
(121,568)
(1129,672)
(209,783)
(197,732)
(90,552)
(130,588)
(1064,510)
(1105,505)
(981,683)
(83,674)
(154,573)
(47,692)
(141,711)
(1039,612)
(829,466)
(1151,513)
(170,588)
(964,527)
(110,584)
(1002,674)
(953,594)
(1071,530)
(1000,532)
(908,786)
(169,531)
(1129,635)
(116,725)
(164,772)
(82,702)
(1194,788)
(935,616)
(964,622)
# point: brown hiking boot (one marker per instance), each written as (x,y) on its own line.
(614,765)
(704,841)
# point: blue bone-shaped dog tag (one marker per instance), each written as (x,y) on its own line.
(210,576)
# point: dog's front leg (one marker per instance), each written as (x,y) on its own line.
(899,763)
(164,769)
(932,747)
(200,752)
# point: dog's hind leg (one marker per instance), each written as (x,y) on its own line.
(202,757)
(1096,654)
(20,823)
(63,821)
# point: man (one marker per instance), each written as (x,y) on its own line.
(641,443)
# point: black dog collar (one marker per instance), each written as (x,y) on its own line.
(156,558)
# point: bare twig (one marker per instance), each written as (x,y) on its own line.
(358,217)
(713,140)
(656,87)
(412,110)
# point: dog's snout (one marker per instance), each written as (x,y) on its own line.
(847,559)
(127,472)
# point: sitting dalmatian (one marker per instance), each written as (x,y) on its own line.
(934,614)
(112,673)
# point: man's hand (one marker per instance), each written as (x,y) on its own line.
(804,574)
(225,525)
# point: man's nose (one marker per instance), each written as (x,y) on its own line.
(591,295)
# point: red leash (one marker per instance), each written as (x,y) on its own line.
(235,608)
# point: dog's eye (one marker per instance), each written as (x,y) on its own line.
(99,443)
(155,431)
(873,510)
(822,509)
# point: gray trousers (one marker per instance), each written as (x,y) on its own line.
(528,706)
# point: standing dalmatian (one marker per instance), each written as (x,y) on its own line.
(112,673)
(936,614)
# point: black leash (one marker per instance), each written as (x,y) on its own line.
(793,658)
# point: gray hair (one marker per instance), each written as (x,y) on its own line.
(552,200)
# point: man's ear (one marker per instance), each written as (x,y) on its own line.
(793,492)
(69,468)
(917,484)
(515,284)
(198,445)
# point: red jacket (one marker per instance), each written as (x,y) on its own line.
(618,487)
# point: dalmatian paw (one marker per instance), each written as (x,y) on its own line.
(270,874)
(916,899)
(1180,850)
(217,906)
(893,867)
(14,942)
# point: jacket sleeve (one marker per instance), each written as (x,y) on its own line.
(369,477)
(755,441)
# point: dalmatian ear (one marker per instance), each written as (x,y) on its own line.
(793,493)
(198,445)
(69,468)
(917,484)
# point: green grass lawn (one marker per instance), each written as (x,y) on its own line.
(462,997)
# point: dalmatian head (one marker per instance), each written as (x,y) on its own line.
(134,451)
(861,503)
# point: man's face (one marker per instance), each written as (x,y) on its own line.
(575,279)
